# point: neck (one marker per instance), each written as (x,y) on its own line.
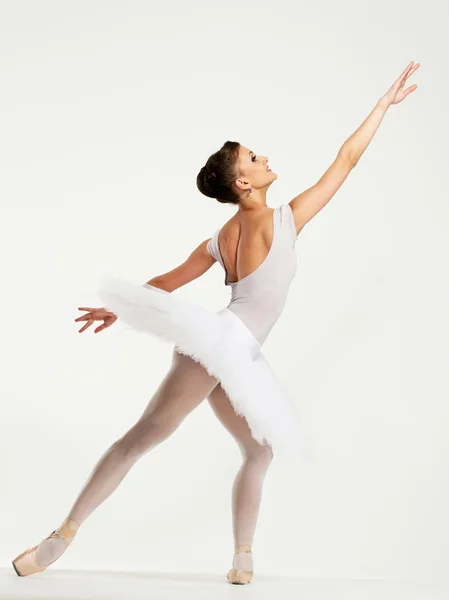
(257,199)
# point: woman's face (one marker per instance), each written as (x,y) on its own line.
(255,172)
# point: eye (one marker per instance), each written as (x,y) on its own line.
(254,158)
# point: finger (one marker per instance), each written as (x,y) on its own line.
(408,75)
(407,69)
(410,89)
(86,326)
(107,323)
(404,73)
(97,311)
(412,71)
(100,328)
(84,318)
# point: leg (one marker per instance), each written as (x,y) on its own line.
(248,484)
(184,387)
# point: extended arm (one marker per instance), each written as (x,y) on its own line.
(307,204)
(311,201)
(198,262)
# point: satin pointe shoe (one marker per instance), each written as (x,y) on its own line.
(26,563)
(240,576)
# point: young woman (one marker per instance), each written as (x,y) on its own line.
(217,355)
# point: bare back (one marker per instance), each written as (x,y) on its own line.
(245,241)
(258,256)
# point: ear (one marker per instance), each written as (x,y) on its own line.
(242,184)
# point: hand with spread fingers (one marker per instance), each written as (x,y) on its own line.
(96,314)
(396,94)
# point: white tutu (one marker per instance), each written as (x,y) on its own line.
(224,346)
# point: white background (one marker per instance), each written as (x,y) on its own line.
(108,112)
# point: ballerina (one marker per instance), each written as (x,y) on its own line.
(217,355)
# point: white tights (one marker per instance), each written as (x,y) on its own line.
(184,387)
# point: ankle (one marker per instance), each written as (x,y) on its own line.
(69,526)
(242,548)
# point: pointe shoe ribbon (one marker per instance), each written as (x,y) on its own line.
(26,563)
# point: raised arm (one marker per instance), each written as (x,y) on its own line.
(198,262)
(307,204)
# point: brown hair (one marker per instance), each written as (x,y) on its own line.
(219,173)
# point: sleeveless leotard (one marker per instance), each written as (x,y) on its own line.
(259,298)
(227,342)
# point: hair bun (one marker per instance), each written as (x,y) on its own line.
(216,177)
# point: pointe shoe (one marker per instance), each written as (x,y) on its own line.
(237,575)
(26,563)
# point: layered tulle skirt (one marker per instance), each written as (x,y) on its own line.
(224,346)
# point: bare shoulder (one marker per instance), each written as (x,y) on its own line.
(257,218)
(244,226)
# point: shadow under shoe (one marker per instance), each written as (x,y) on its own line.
(26,563)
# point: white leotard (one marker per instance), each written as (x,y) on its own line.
(259,298)
(227,342)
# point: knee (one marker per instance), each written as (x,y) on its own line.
(262,455)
